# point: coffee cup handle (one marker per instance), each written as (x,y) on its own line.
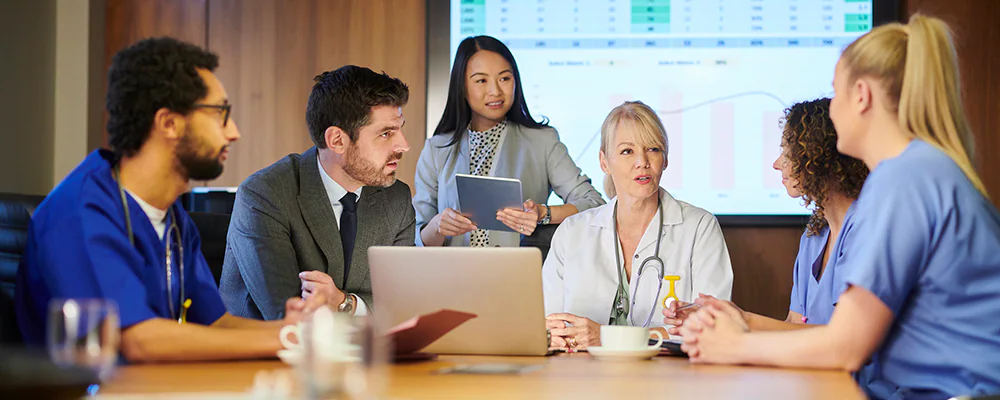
(286,331)
(659,339)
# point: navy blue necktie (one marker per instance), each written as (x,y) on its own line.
(348,229)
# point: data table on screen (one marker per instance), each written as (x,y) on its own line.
(719,73)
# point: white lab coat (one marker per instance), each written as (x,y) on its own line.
(580,276)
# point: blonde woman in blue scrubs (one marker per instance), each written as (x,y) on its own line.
(827,181)
(920,268)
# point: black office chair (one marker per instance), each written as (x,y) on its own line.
(213,228)
(541,238)
(15,215)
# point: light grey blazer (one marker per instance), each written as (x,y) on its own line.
(535,156)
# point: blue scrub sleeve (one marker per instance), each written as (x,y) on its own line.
(206,302)
(892,236)
(796,302)
(97,261)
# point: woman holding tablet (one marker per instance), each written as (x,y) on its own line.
(919,272)
(486,130)
(622,263)
(811,169)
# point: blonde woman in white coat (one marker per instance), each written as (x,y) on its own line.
(603,267)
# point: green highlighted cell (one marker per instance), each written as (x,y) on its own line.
(650,18)
(857,27)
(857,18)
(477,2)
(650,9)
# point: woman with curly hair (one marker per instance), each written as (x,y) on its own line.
(828,182)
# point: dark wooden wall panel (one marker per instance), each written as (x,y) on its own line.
(267,52)
(128,21)
(976,25)
(270,51)
(763,260)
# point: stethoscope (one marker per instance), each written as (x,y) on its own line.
(172,229)
(653,261)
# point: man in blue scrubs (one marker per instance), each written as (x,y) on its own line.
(113,229)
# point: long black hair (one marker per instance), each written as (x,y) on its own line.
(457,113)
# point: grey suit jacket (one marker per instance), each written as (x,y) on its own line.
(535,156)
(283,224)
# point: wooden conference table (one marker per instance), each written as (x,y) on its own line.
(564,376)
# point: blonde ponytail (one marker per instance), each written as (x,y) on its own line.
(930,104)
(918,66)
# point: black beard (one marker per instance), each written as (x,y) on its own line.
(194,166)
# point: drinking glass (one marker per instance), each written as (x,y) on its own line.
(344,357)
(84,333)
(326,354)
(368,377)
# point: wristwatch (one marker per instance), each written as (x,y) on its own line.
(348,305)
(548,216)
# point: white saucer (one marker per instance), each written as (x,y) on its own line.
(293,357)
(290,357)
(622,355)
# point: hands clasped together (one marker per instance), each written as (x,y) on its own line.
(710,331)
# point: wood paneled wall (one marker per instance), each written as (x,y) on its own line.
(127,21)
(763,261)
(976,26)
(271,50)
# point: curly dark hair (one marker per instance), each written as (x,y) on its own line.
(810,144)
(345,97)
(149,75)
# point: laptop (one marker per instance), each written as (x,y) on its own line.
(502,286)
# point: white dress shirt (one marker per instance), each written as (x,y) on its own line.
(580,275)
(335,192)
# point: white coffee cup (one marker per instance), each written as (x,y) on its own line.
(330,330)
(616,337)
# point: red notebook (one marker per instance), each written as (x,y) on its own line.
(418,332)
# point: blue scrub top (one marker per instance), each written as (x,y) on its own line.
(811,297)
(78,247)
(927,244)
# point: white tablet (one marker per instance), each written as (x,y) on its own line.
(480,197)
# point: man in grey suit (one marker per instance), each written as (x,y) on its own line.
(304,224)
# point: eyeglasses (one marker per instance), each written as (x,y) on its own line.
(226,109)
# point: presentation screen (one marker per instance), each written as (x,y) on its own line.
(719,73)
